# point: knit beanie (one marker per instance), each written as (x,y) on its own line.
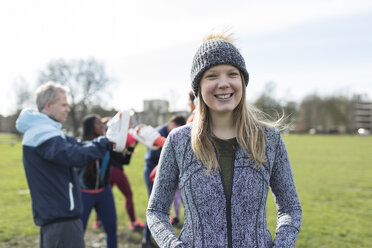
(215,52)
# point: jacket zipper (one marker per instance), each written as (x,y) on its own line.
(228,206)
(229,226)
(228,202)
(98,174)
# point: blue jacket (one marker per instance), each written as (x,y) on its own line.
(49,158)
(152,156)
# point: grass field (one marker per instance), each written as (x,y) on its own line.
(333,176)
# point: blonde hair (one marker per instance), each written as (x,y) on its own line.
(249,130)
(224,35)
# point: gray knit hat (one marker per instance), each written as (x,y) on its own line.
(215,52)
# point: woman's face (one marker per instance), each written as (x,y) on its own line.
(99,128)
(221,88)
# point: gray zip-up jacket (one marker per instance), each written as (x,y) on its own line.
(205,202)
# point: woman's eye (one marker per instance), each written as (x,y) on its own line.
(233,74)
(211,76)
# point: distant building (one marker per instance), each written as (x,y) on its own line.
(7,124)
(362,114)
(155,113)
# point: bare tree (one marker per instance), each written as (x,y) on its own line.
(339,112)
(325,114)
(23,94)
(310,113)
(86,79)
(274,108)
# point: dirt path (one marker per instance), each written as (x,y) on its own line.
(93,239)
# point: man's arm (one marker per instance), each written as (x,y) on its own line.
(71,153)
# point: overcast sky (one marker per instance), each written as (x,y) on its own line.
(304,47)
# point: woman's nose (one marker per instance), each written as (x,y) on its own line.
(223,82)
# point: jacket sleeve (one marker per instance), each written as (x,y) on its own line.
(69,152)
(166,183)
(73,140)
(287,203)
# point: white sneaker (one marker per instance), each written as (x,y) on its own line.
(117,131)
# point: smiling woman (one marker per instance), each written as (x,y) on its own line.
(221,90)
(224,164)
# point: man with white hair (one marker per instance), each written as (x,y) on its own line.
(49,158)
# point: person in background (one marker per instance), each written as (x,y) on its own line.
(224,163)
(191,102)
(175,219)
(49,159)
(151,160)
(119,178)
(95,184)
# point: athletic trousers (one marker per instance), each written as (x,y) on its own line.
(118,177)
(146,230)
(103,203)
(62,234)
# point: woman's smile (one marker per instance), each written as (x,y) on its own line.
(224,96)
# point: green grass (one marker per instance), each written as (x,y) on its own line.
(333,178)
